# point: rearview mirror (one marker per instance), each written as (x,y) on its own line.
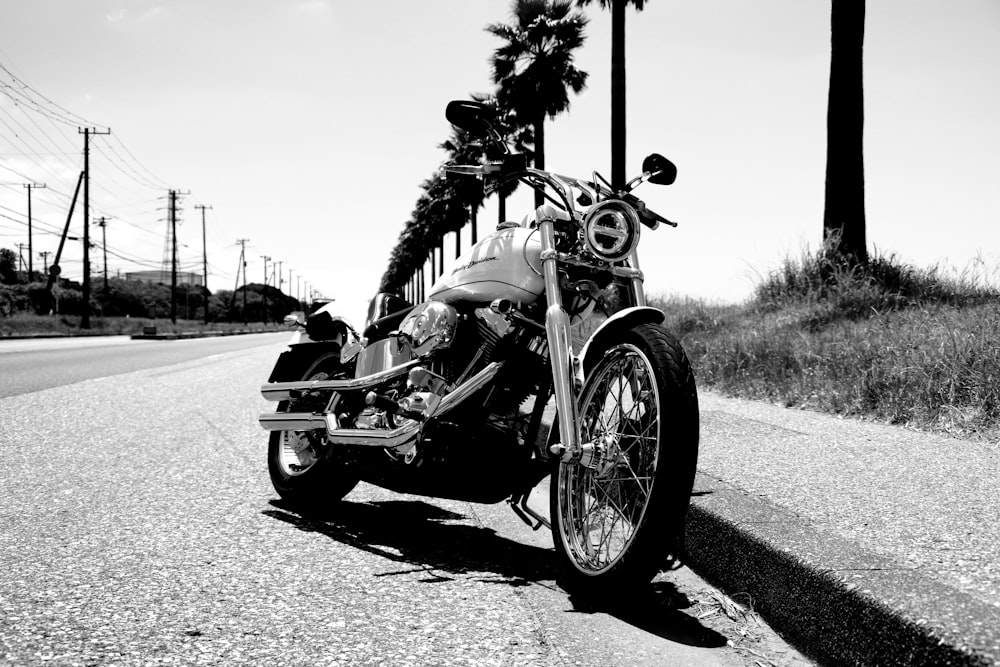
(473,117)
(662,171)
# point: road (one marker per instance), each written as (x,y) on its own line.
(138,526)
(32,364)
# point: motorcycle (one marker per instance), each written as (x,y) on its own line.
(479,393)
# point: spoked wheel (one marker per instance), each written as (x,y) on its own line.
(298,473)
(619,513)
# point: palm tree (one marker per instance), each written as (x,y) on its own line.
(534,67)
(462,149)
(844,209)
(439,210)
(617,83)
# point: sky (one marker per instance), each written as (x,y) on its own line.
(308,125)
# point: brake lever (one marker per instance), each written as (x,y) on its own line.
(649,218)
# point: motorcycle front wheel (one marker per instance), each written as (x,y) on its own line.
(619,514)
(298,473)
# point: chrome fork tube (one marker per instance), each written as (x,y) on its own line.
(637,288)
(560,350)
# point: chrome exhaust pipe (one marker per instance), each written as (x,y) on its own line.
(281,391)
(307,421)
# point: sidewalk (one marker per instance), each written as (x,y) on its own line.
(861,543)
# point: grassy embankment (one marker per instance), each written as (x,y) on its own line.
(23,324)
(889,342)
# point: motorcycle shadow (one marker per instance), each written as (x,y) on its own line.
(427,538)
(657,610)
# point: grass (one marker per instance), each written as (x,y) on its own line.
(25,324)
(891,342)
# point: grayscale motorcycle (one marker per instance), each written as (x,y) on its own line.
(480,392)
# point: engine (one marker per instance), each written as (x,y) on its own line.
(452,347)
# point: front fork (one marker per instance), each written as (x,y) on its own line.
(567,371)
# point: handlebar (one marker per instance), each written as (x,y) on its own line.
(560,184)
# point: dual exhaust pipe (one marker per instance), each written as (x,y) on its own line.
(307,421)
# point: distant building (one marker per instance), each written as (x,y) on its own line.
(164,277)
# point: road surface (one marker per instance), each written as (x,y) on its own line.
(138,526)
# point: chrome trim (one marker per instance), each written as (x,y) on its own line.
(612,219)
(307,421)
(560,351)
(430,326)
(279,391)
(467,389)
(291,421)
(637,287)
(619,271)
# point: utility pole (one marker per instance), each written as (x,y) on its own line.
(45,258)
(280,278)
(56,270)
(242,243)
(172,219)
(291,283)
(21,266)
(204,257)
(103,224)
(86,132)
(31,252)
(264,317)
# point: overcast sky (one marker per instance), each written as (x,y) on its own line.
(308,125)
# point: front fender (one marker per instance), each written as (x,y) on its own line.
(622,320)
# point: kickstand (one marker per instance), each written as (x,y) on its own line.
(520,506)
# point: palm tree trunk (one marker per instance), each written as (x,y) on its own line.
(618,93)
(844,209)
(472,219)
(539,153)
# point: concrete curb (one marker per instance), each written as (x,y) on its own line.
(837,602)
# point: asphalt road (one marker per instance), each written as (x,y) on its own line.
(33,364)
(138,526)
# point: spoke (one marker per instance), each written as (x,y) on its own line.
(625,532)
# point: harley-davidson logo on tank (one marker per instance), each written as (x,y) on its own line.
(504,265)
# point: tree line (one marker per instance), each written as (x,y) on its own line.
(253,302)
(533,73)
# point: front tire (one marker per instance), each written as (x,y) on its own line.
(298,471)
(615,521)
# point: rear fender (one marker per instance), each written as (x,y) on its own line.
(323,333)
(294,362)
(611,329)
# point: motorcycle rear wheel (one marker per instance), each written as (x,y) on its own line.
(615,521)
(300,477)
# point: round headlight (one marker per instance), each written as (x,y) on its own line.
(611,230)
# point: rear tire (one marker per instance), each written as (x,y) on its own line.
(615,522)
(298,474)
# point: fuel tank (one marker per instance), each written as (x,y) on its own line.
(504,265)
